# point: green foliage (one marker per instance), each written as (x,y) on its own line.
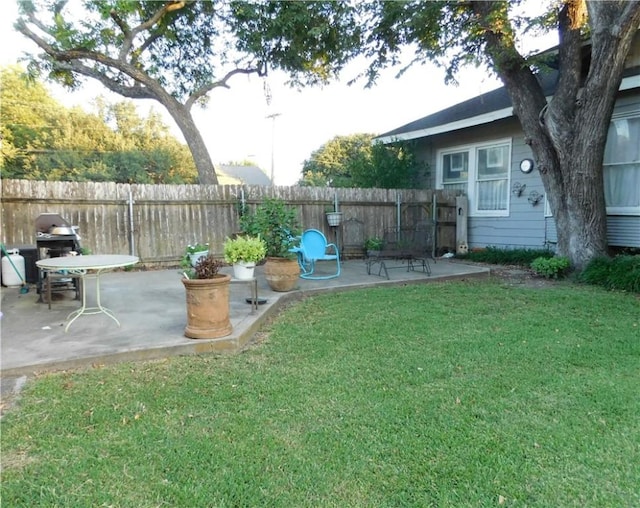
(374,243)
(178,52)
(328,165)
(276,223)
(500,256)
(43,140)
(551,268)
(621,273)
(356,161)
(392,166)
(185,262)
(196,247)
(244,248)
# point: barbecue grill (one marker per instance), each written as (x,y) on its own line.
(55,237)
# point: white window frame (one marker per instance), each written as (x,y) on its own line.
(624,210)
(472,177)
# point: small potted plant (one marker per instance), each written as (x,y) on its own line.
(193,253)
(277,224)
(243,252)
(373,245)
(334,217)
(207,294)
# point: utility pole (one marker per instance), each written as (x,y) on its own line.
(273,117)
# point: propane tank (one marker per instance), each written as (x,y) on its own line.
(13,271)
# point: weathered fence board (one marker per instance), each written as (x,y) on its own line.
(165,218)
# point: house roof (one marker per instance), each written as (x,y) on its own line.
(482,109)
(249,175)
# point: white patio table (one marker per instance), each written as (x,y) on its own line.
(91,266)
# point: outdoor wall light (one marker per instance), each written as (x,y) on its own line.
(526,165)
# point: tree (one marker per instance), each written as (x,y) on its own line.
(356,161)
(177,51)
(393,166)
(567,135)
(41,139)
(328,165)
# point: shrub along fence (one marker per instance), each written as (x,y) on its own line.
(156,222)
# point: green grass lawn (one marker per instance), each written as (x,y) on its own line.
(457,394)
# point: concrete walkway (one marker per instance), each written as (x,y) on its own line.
(150,306)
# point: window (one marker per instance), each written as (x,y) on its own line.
(622,166)
(482,171)
(455,169)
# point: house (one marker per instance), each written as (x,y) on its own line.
(512,211)
(241,174)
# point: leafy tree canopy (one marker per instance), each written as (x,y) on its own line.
(176,51)
(46,141)
(356,161)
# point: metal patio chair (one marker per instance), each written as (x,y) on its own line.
(313,248)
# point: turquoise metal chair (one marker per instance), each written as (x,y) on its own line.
(313,248)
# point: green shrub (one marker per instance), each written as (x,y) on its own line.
(374,243)
(551,268)
(501,256)
(276,223)
(245,248)
(621,272)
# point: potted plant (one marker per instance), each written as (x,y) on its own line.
(207,294)
(243,252)
(193,253)
(334,217)
(373,245)
(277,224)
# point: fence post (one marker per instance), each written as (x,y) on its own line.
(462,247)
(132,245)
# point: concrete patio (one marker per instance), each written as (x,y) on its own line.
(150,306)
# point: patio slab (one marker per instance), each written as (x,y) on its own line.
(150,306)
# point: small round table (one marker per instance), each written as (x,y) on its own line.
(88,266)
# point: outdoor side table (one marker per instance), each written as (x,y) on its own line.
(92,266)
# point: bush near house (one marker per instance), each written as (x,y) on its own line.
(620,272)
(498,256)
(551,268)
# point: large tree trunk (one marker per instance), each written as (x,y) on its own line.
(182,116)
(568,135)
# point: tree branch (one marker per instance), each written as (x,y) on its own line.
(205,89)
(145,87)
(570,64)
(131,34)
(132,92)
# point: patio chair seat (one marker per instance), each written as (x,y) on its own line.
(313,248)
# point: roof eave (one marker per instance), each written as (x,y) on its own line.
(628,83)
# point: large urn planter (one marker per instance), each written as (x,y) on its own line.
(207,307)
(281,273)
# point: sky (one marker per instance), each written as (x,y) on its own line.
(238,124)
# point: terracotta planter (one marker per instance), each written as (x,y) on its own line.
(281,273)
(207,307)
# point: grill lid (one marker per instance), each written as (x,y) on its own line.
(46,221)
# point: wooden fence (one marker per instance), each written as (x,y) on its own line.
(156,222)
